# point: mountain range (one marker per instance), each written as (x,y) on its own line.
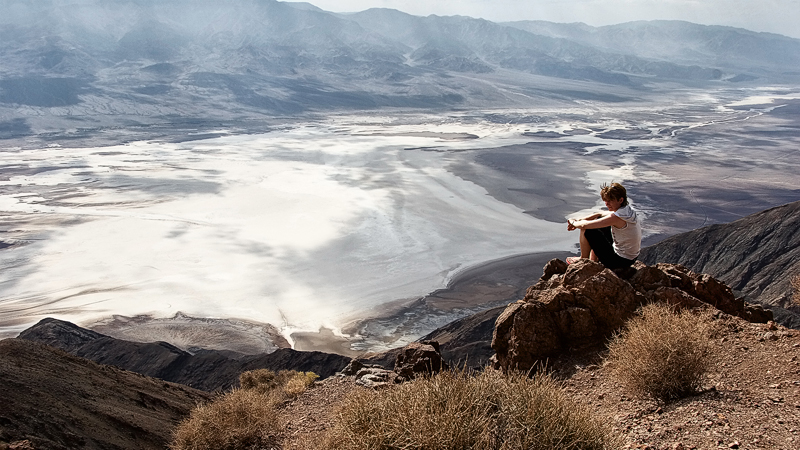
(86,63)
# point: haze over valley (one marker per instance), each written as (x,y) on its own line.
(273,163)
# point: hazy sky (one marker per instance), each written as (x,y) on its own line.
(776,16)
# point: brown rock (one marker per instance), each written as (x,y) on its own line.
(676,297)
(376,377)
(554,299)
(756,313)
(419,358)
(650,278)
(710,290)
(610,299)
(532,335)
(21,445)
(554,267)
(588,302)
(577,323)
(501,337)
(581,271)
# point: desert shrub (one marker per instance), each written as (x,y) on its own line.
(242,419)
(662,352)
(299,383)
(288,382)
(459,410)
(795,282)
(245,418)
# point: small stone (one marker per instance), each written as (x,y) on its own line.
(771,326)
(734,444)
(21,445)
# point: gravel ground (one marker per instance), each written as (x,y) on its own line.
(751,398)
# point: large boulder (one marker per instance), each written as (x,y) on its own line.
(419,358)
(581,304)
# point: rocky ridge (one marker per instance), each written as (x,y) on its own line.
(755,255)
(208,370)
(581,304)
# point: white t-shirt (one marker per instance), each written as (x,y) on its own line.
(627,240)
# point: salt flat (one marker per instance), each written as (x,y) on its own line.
(305,227)
(327,222)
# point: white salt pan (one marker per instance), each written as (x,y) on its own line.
(301,228)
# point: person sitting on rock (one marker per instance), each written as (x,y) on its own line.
(613,238)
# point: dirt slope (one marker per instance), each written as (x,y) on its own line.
(59,401)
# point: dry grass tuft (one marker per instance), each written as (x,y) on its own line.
(289,382)
(245,418)
(663,353)
(299,383)
(242,419)
(455,411)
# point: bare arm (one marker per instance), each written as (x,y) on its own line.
(598,220)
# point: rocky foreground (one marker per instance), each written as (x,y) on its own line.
(751,398)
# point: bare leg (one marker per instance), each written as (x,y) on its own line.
(586,249)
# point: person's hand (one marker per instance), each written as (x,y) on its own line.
(570,225)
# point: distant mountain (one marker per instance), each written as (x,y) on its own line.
(756,255)
(467,340)
(129,61)
(682,43)
(209,370)
(58,401)
(472,45)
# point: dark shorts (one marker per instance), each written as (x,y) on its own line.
(602,243)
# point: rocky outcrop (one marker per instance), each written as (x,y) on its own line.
(755,255)
(584,303)
(413,360)
(419,358)
(208,370)
(370,375)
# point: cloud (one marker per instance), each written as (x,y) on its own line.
(776,16)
